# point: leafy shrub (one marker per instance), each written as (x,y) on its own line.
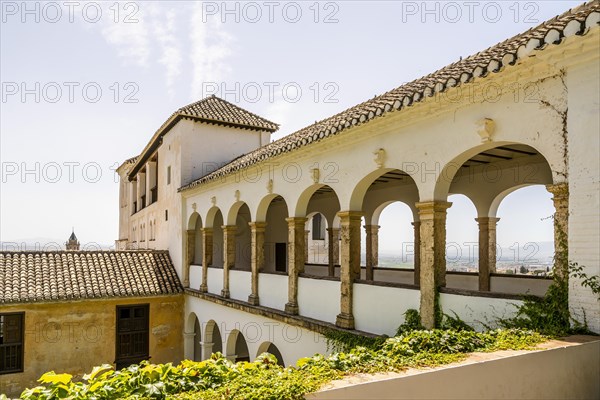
(218,378)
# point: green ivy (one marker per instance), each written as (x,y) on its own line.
(218,378)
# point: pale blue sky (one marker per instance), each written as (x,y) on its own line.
(161,61)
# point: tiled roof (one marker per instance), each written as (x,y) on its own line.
(74,275)
(216,110)
(577,21)
(212,110)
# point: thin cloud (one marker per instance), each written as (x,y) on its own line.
(130,39)
(210,50)
(170,49)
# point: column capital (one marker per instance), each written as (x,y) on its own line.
(229,228)
(332,229)
(257,226)
(189,334)
(559,190)
(487,220)
(207,231)
(432,207)
(350,215)
(372,228)
(416,224)
(191,231)
(296,221)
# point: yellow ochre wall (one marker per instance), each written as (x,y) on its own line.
(74,336)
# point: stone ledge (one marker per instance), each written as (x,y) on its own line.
(278,315)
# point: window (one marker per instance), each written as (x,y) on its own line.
(11,342)
(169,175)
(132,334)
(166,215)
(318,231)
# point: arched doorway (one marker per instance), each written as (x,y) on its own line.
(237,348)
(268,347)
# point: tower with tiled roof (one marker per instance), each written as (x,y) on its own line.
(72,243)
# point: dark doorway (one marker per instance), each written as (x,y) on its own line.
(132,334)
(280,257)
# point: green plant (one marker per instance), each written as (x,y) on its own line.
(340,341)
(591,282)
(218,378)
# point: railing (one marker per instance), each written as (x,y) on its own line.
(240,284)
(195,276)
(215,280)
(380,309)
(319,298)
(273,290)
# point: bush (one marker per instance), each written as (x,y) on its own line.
(218,378)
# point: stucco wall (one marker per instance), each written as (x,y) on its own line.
(75,336)
(293,342)
(583,125)
(569,372)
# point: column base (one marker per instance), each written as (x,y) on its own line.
(203,288)
(225,293)
(291,308)
(253,299)
(345,321)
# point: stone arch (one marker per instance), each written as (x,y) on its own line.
(193,219)
(493,209)
(268,347)
(302,204)
(360,189)
(237,348)
(374,217)
(193,330)
(211,214)
(276,211)
(451,169)
(212,336)
(234,210)
(263,206)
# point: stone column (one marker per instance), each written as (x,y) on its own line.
(207,255)
(189,345)
(333,249)
(350,264)
(257,262)
(560,197)
(206,349)
(372,246)
(306,255)
(417,252)
(191,249)
(487,250)
(228,256)
(433,256)
(296,256)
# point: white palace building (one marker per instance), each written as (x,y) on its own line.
(238,213)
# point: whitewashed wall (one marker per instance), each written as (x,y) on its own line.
(319,298)
(478,311)
(380,309)
(273,290)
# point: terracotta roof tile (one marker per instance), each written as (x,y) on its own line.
(217,110)
(577,21)
(63,275)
